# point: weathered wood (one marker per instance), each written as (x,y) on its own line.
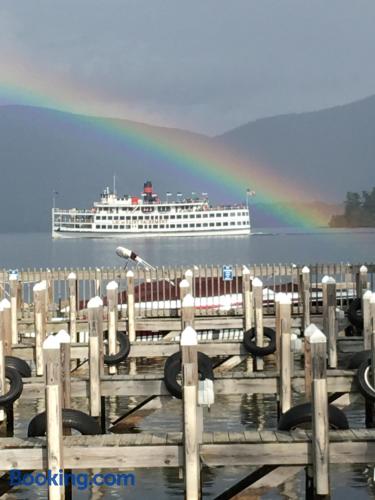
(72,285)
(5,326)
(2,363)
(40,294)
(112,300)
(247,299)
(13,292)
(318,344)
(331,323)
(95,313)
(130,305)
(372,322)
(307,360)
(366,313)
(257,287)
(64,339)
(305,291)
(286,354)
(52,359)
(187,311)
(362,281)
(190,387)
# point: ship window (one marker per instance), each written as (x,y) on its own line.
(162,226)
(122,227)
(109,217)
(218,215)
(178,225)
(212,224)
(218,223)
(128,217)
(225,215)
(134,217)
(199,225)
(205,224)
(225,223)
(172,226)
(178,216)
(115,217)
(232,223)
(192,216)
(140,226)
(205,216)
(147,217)
(155,226)
(109,227)
(104,217)
(172,216)
(232,214)
(97,227)
(185,216)
(127,227)
(122,217)
(103,227)
(192,225)
(140,217)
(212,215)
(198,216)
(185,225)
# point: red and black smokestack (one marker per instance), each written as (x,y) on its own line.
(148,191)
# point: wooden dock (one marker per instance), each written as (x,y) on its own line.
(308,317)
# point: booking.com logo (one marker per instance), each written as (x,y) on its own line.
(80,480)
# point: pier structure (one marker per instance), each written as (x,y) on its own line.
(290,331)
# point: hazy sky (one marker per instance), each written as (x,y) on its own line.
(205,65)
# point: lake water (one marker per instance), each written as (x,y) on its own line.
(235,413)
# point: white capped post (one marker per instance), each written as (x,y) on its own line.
(131,305)
(40,294)
(366,311)
(13,285)
(95,316)
(112,299)
(72,286)
(6,326)
(305,290)
(187,311)
(52,360)
(286,365)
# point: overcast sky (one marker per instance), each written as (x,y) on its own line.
(204,65)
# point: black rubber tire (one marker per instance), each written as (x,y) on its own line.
(172,368)
(251,347)
(363,380)
(350,331)
(72,419)
(302,414)
(355,313)
(123,352)
(15,389)
(18,364)
(357,359)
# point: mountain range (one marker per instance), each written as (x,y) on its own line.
(332,151)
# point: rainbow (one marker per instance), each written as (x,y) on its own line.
(184,156)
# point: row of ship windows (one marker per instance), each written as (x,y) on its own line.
(186,216)
(174,226)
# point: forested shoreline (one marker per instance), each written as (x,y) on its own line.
(359,211)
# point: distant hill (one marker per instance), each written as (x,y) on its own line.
(41,150)
(332,150)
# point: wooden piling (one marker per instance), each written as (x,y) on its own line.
(246,299)
(257,286)
(286,354)
(190,396)
(52,360)
(307,360)
(6,326)
(64,340)
(112,300)
(13,285)
(320,441)
(278,297)
(184,288)
(72,286)
(372,321)
(2,360)
(40,292)
(95,316)
(187,311)
(189,278)
(131,305)
(362,281)
(305,291)
(366,312)
(331,323)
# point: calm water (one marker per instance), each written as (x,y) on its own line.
(268,246)
(235,413)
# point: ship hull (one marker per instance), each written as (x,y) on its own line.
(124,234)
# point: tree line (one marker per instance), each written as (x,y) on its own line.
(359,211)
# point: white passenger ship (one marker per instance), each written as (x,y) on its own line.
(147,216)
